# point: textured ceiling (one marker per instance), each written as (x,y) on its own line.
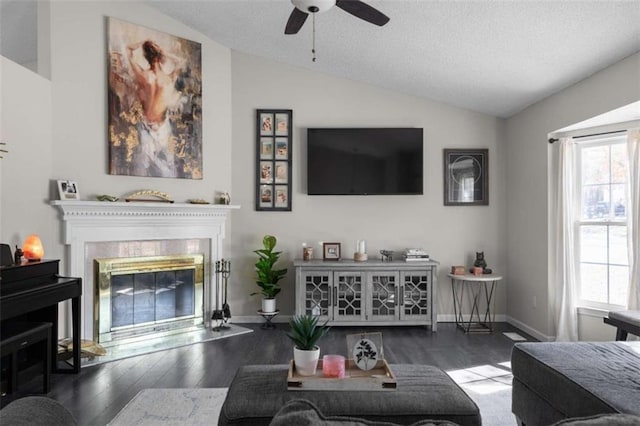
(495,57)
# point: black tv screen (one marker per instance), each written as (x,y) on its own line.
(369,161)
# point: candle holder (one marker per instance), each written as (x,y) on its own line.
(361,251)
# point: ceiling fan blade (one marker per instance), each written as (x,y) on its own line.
(363,11)
(296,19)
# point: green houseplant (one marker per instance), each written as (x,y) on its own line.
(305,333)
(268,276)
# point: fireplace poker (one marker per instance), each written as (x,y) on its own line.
(217,316)
(225,272)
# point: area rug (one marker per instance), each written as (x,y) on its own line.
(172,407)
(488,386)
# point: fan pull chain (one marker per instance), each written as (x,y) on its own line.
(313,47)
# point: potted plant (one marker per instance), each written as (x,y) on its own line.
(305,333)
(268,276)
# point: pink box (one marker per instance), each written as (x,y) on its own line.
(333,366)
(477,271)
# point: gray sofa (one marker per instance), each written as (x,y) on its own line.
(553,381)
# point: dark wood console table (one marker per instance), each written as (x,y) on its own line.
(30,292)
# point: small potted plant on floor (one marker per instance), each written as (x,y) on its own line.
(268,275)
(305,333)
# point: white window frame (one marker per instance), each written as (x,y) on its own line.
(579,221)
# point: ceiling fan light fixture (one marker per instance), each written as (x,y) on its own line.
(314,6)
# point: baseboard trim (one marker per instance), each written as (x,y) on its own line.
(465,317)
(530,330)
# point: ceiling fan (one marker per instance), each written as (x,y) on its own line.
(357,8)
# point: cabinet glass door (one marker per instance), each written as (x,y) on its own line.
(317,297)
(347,296)
(383,295)
(414,295)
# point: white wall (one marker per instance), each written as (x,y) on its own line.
(25,125)
(450,234)
(78,46)
(531,181)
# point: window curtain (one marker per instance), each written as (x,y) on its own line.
(633,217)
(566,311)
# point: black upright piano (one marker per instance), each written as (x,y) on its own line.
(30,292)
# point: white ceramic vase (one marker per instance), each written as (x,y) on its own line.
(269,305)
(306,361)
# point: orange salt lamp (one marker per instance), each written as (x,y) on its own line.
(32,248)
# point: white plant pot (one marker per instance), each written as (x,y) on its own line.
(269,305)
(306,361)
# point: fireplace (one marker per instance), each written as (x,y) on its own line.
(98,230)
(143,297)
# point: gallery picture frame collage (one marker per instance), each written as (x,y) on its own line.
(273,159)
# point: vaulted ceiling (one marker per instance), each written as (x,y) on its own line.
(495,57)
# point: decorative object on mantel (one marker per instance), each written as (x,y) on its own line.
(361,251)
(32,248)
(480,265)
(68,190)
(155,103)
(268,276)
(221,316)
(147,195)
(198,201)
(273,159)
(387,255)
(106,197)
(224,198)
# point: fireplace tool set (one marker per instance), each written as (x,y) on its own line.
(220,317)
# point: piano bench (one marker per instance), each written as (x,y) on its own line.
(17,336)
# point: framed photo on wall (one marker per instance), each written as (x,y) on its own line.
(466,177)
(273,159)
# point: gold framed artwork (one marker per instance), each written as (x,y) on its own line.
(273,159)
(154,103)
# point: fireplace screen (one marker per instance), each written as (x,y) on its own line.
(148,295)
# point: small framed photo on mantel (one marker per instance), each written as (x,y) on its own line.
(68,190)
(273,159)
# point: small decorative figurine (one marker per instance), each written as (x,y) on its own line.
(480,263)
(18,255)
(225,198)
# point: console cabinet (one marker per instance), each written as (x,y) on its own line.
(367,293)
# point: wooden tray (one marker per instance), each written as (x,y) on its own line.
(377,379)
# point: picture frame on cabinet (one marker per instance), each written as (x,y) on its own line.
(466,177)
(331,251)
(68,190)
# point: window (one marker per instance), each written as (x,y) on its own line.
(601,230)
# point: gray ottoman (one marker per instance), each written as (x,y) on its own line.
(424,392)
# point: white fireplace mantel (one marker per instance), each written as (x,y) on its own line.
(96,221)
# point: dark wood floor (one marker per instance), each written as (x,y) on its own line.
(99,392)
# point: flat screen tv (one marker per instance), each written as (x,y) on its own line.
(365,161)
